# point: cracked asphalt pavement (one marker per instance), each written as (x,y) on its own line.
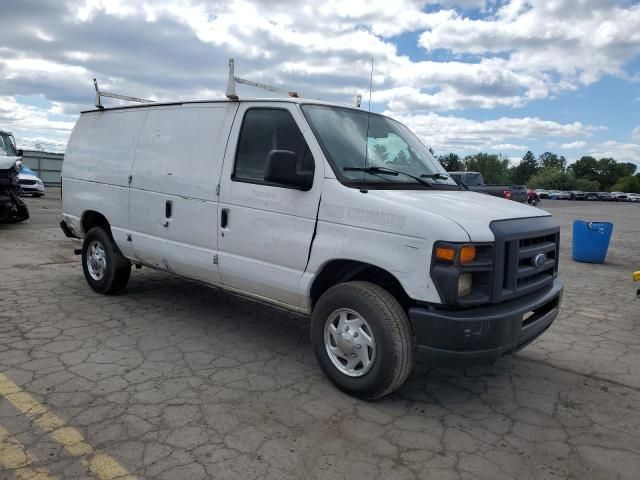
(172,380)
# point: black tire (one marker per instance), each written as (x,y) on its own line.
(394,346)
(117,270)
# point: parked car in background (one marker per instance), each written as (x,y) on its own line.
(554,194)
(29,182)
(606,196)
(475,182)
(620,196)
(542,193)
(634,197)
(564,196)
(532,196)
(593,196)
(577,195)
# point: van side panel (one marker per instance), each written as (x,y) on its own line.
(102,146)
(173,199)
(95,172)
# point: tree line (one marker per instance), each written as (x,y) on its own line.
(549,170)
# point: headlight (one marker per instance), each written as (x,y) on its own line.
(462,272)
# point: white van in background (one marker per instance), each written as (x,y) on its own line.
(319,209)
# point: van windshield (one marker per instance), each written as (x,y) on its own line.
(390,147)
(6,146)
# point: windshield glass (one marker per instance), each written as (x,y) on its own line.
(6,146)
(390,145)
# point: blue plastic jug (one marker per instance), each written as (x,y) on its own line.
(591,241)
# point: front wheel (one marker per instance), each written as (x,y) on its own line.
(362,339)
(105,268)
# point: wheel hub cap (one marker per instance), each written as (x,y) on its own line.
(96,260)
(349,342)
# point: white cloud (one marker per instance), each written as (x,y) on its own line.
(451,133)
(25,120)
(509,146)
(635,133)
(576,41)
(578,144)
(622,152)
(518,52)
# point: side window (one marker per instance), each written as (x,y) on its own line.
(263,130)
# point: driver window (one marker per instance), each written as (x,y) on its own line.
(263,130)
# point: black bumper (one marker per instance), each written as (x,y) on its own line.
(482,335)
(67,231)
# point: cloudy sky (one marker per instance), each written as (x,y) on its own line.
(465,75)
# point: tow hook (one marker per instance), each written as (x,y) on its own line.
(77,251)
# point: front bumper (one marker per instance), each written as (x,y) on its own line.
(484,334)
(32,188)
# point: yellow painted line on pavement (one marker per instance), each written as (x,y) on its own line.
(14,457)
(101,465)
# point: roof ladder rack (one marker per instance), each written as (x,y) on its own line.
(231,85)
(115,95)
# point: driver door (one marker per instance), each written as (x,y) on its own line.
(266,230)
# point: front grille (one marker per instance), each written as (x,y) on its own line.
(27,182)
(519,243)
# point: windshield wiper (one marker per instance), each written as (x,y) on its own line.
(386,171)
(435,176)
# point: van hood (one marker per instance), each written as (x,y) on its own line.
(473,211)
(7,162)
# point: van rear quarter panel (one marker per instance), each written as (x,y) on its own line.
(96,168)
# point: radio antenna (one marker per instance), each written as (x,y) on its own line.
(366,138)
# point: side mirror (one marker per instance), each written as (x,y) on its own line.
(282,168)
(20,152)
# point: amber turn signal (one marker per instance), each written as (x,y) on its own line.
(445,253)
(467,254)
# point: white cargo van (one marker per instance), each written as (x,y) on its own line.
(318,209)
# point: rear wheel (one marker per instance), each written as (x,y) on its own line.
(105,268)
(362,339)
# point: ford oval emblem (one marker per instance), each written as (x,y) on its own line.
(539,260)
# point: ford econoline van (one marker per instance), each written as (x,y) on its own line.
(320,209)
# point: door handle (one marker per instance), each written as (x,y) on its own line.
(224,217)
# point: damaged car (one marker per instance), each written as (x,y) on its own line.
(12,207)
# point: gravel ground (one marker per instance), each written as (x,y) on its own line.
(174,380)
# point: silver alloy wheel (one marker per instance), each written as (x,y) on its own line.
(96,260)
(349,342)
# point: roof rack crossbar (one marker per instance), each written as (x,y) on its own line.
(100,94)
(231,85)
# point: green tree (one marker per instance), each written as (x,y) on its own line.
(586,185)
(628,168)
(451,162)
(494,168)
(526,169)
(628,184)
(552,160)
(609,172)
(586,167)
(553,179)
